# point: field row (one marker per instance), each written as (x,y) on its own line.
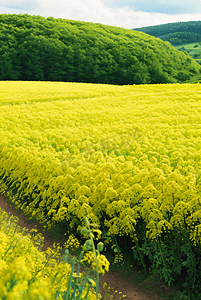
(126,157)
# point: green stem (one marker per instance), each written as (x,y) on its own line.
(161,253)
(70,279)
(141,258)
(95,258)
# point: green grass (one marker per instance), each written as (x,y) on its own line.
(194,52)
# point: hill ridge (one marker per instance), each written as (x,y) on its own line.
(170,28)
(38,48)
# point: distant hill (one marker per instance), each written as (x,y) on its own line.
(185,36)
(38,48)
(161,31)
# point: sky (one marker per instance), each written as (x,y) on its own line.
(127,14)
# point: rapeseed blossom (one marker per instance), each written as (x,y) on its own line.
(128,158)
(26,273)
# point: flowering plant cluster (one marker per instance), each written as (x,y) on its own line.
(28,273)
(127,157)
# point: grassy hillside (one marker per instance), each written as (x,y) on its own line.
(37,48)
(193,49)
(184,36)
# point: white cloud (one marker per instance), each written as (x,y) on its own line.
(18,6)
(93,11)
(149,19)
(160,6)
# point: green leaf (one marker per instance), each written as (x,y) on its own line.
(100,246)
(88,245)
(85,231)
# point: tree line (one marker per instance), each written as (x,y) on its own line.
(164,29)
(38,48)
(179,38)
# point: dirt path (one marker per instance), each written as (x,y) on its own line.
(113,279)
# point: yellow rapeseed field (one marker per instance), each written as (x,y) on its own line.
(127,157)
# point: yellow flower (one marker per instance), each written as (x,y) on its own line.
(3,266)
(92,281)
(3,243)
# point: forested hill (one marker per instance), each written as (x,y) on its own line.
(164,29)
(176,33)
(38,48)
